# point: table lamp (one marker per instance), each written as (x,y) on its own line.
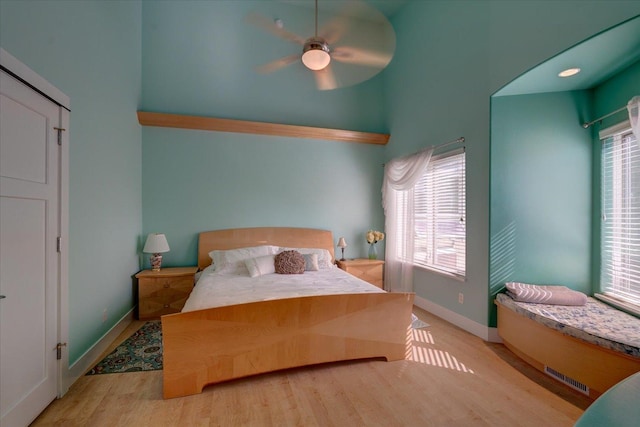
(156,244)
(342,244)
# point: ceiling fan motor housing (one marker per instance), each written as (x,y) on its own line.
(315,53)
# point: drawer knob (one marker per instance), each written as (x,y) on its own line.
(166,285)
(166,306)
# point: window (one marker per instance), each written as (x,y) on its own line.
(435,209)
(620,232)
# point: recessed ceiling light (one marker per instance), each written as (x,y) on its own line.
(569,72)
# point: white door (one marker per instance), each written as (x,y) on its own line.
(29,261)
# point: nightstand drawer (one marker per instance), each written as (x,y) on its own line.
(371,271)
(162,296)
(157,284)
(163,292)
(371,274)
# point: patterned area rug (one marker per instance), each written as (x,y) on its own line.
(142,351)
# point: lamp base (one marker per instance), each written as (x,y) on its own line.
(156,262)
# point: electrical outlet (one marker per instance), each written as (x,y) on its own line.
(461,298)
(104,315)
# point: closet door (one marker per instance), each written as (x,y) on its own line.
(29,259)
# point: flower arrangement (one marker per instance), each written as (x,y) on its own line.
(374,236)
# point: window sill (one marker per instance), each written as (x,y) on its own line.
(632,309)
(453,276)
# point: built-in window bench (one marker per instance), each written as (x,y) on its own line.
(590,347)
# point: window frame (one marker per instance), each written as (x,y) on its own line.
(608,293)
(430,242)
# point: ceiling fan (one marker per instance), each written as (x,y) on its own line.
(349,48)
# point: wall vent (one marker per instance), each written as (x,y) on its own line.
(576,385)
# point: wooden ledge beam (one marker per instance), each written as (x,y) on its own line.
(260,128)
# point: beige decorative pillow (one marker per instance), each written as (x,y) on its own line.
(311,262)
(289,262)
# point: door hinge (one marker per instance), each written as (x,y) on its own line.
(60,130)
(59,349)
(59,244)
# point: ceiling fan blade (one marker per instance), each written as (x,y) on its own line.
(325,78)
(355,17)
(270,26)
(334,29)
(279,63)
(369,58)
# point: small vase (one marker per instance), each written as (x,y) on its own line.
(373,252)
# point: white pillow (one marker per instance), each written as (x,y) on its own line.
(324,256)
(232,260)
(311,262)
(261,265)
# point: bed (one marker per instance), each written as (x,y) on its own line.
(210,345)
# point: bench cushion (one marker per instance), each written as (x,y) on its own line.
(595,322)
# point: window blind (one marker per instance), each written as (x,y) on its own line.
(620,231)
(436,211)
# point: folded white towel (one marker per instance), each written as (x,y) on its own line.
(545,294)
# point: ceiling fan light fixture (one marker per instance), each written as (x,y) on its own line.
(315,54)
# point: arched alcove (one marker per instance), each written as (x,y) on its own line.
(544,172)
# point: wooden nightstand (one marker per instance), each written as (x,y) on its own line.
(165,291)
(369,270)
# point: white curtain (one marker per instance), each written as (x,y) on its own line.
(634,111)
(401,174)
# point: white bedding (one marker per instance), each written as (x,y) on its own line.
(220,289)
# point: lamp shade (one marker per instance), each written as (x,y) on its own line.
(156,243)
(342,243)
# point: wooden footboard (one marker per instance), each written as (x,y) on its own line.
(218,344)
(596,367)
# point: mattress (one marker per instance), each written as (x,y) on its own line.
(220,289)
(595,322)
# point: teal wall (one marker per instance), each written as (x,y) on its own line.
(615,93)
(607,97)
(91,51)
(196,181)
(541,159)
(451,57)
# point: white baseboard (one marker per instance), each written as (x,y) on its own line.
(471,326)
(89,358)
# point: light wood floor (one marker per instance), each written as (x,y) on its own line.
(451,378)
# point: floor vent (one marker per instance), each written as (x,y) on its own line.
(576,385)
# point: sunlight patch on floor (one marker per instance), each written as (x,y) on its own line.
(422,335)
(421,350)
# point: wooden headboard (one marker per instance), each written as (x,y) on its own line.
(234,238)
